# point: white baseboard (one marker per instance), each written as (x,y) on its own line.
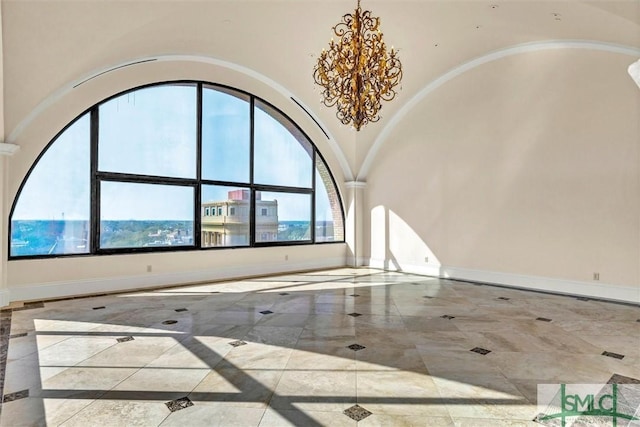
(118,284)
(599,290)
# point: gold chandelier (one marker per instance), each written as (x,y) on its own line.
(357,73)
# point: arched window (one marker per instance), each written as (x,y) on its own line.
(172,167)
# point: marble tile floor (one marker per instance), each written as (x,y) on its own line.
(338,347)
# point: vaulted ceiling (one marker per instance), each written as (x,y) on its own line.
(48,45)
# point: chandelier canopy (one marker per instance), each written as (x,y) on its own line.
(357,73)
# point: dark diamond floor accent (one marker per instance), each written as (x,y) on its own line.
(427,297)
(266,312)
(614,355)
(356,412)
(10,397)
(621,379)
(99,308)
(169,322)
(543,319)
(24,334)
(356,347)
(283,293)
(180,310)
(179,404)
(480,350)
(446,316)
(638,320)
(354,314)
(237,343)
(125,339)
(354,295)
(504,298)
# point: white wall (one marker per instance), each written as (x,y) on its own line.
(524,170)
(50,278)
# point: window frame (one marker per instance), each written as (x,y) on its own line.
(97,176)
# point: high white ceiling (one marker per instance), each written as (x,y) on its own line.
(50,44)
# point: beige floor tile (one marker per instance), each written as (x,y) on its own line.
(480,422)
(329,321)
(380,358)
(382,420)
(118,413)
(137,353)
(399,393)
(34,411)
(27,373)
(323,359)
(250,388)
(452,361)
(282,418)
(24,346)
(173,383)
(75,350)
(257,356)
(274,335)
(426,324)
(554,367)
(435,341)
(82,382)
(589,327)
(291,320)
(315,391)
(214,414)
(194,352)
(630,346)
(227,317)
(320,339)
(483,396)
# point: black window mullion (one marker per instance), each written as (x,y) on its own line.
(144,179)
(94,221)
(281,189)
(312,234)
(197,193)
(252,208)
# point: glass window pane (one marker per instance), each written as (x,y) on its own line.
(288,217)
(151,131)
(329,219)
(134,215)
(225,216)
(225,135)
(52,213)
(282,153)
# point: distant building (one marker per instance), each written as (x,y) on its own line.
(226,223)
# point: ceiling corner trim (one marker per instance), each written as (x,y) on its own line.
(65,90)
(467,66)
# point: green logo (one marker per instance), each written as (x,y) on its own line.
(614,405)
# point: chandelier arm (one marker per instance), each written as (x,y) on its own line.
(357,73)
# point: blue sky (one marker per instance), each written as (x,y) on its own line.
(153,131)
